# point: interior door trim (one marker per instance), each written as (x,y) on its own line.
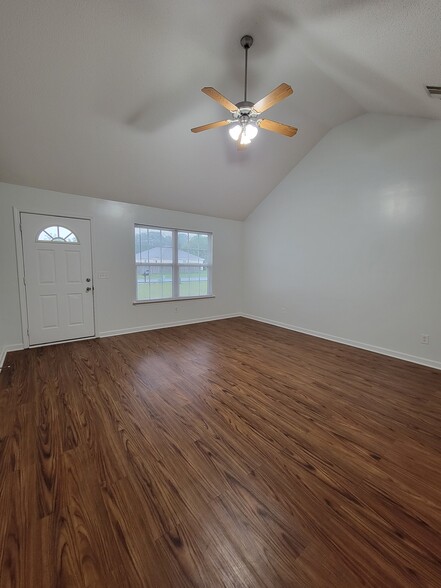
(21,272)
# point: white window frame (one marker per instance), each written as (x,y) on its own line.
(175,265)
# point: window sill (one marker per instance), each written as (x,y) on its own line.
(173,299)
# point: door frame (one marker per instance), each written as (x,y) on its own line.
(21,272)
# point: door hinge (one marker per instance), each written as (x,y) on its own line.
(21,230)
(27,331)
(24,280)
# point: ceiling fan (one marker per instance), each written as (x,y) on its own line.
(246,114)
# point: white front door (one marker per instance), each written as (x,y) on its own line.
(58,277)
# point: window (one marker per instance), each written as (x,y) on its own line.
(57,235)
(172,264)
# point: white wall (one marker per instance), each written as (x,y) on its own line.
(113,251)
(349,244)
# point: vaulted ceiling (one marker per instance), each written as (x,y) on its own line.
(97,97)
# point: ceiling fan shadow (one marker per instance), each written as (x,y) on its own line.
(162,107)
(268,24)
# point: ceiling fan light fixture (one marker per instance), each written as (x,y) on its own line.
(245,116)
(248,132)
(251,131)
(235,132)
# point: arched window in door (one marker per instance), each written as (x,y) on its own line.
(57,234)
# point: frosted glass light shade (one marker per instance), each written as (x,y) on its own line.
(251,131)
(235,132)
(246,133)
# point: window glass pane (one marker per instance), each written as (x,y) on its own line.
(154,282)
(43,236)
(155,250)
(193,281)
(182,240)
(204,247)
(166,251)
(193,248)
(52,231)
(57,234)
(153,245)
(144,242)
(137,243)
(183,247)
(63,232)
(167,237)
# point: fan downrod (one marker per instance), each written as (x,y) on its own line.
(247,41)
(246,114)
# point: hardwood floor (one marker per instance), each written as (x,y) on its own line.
(229,453)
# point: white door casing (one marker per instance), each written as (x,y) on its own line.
(58,278)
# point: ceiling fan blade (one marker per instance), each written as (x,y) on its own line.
(276,127)
(215,95)
(221,123)
(277,95)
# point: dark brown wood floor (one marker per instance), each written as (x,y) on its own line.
(229,453)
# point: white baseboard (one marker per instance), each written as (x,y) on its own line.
(381,350)
(166,325)
(4,350)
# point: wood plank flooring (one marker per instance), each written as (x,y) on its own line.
(229,453)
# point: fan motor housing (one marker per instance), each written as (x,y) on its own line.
(245,107)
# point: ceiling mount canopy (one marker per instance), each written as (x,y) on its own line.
(245,114)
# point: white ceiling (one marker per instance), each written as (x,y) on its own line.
(97,97)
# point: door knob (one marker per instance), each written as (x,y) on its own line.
(87,279)
(88,289)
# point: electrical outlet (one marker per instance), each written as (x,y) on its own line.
(424,339)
